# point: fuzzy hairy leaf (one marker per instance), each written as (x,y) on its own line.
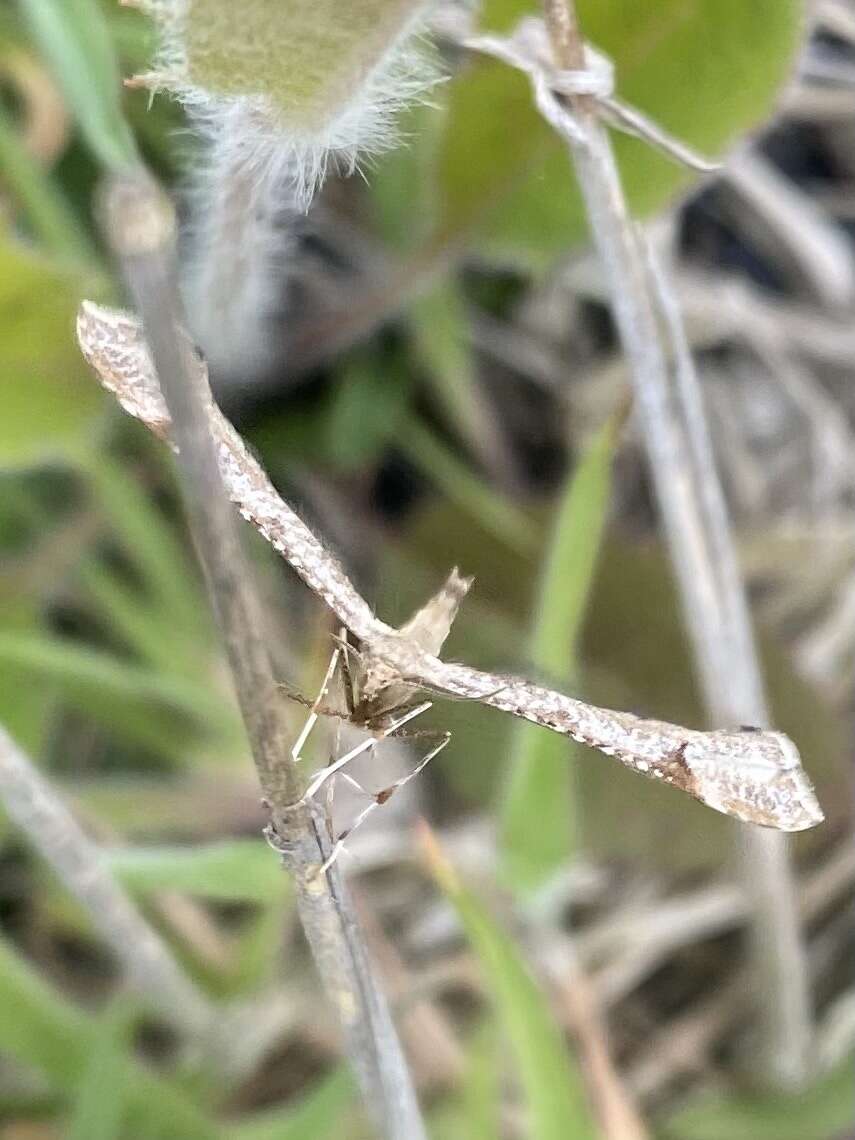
(305,56)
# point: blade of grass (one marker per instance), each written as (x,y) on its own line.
(40,1028)
(476,1110)
(550,1080)
(124,696)
(229,870)
(149,541)
(47,211)
(99,1105)
(823,1111)
(317,1117)
(537,824)
(150,634)
(258,950)
(439,322)
(74,38)
(497,516)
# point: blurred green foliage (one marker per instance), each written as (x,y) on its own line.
(824,1112)
(108,669)
(74,38)
(50,406)
(552,1085)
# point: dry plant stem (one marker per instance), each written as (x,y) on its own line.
(691,1037)
(795,226)
(564,33)
(140,229)
(697,530)
(34,806)
(737,694)
(616,1113)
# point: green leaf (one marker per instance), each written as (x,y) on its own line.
(542,763)
(157,711)
(302,58)
(550,1080)
(824,1112)
(99,1106)
(50,404)
(74,38)
(706,72)
(236,869)
(317,1117)
(39,1027)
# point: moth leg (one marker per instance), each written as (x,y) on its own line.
(475,697)
(330,788)
(360,749)
(398,706)
(348,674)
(316,706)
(378,799)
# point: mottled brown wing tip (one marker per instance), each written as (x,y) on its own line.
(112,343)
(430,625)
(756,777)
(456,585)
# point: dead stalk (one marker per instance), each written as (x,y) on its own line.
(53,831)
(140,227)
(698,534)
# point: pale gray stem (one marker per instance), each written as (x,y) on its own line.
(140,228)
(795,227)
(698,534)
(146,960)
(740,697)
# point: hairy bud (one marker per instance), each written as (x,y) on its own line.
(282,90)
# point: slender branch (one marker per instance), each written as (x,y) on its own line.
(147,961)
(781,969)
(697,528)
(567,45)
(140,228)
